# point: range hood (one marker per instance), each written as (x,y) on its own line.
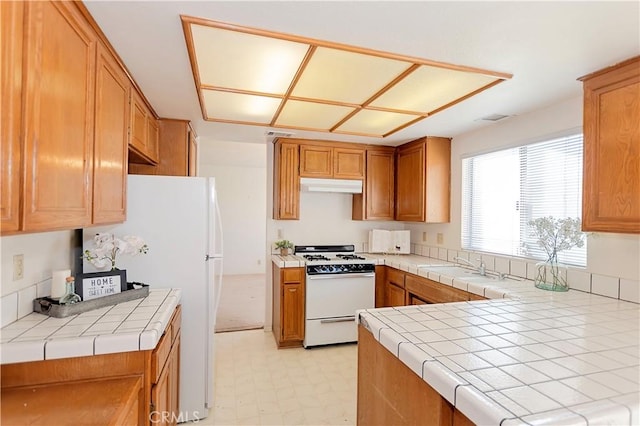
(350,186)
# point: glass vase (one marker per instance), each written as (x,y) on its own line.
(551,275)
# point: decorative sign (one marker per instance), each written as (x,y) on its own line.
(100,284)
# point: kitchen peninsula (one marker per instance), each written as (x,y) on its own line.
(122,361)
(523,356)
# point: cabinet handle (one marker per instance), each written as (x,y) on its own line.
(331,320)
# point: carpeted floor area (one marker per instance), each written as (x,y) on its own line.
(241,303)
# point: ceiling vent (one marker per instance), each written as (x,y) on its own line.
(494,117)
(274,134)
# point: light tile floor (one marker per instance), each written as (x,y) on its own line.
(257,384)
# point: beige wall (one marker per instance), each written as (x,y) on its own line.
(607,254)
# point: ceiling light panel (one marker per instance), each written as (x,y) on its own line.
(374,122)
(248,62)
(429,88)
(347,77)
(240,107)
(312,115)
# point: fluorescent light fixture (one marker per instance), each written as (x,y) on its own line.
(251,76)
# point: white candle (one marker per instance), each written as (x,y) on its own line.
(58,283)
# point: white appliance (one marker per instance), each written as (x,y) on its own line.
(338,283)
(179,219)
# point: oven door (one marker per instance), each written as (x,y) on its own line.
(339,295)
(331,303)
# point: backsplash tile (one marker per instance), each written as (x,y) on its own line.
(9,308)
(518,268)
(579,280)
(605,286)
(502,265)
(630,290)
(25,301)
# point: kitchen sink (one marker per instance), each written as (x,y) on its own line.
(452,271)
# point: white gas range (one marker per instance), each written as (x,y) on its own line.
(338,283)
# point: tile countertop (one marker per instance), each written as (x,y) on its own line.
(131,326)
(526,356)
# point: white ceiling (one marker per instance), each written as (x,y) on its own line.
(545,45)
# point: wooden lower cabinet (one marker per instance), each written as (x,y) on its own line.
(390,393)
(399,288)
(429,291)
(288,306)
(151,402)
(394,293)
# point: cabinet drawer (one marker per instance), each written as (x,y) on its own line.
(292,275)
(395,277)
(433,292)
(160,354)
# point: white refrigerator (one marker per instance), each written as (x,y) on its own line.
(179,219)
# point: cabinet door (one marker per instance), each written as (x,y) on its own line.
(152,138)
(292,312)
(60,55)
(174,379)
(348,163)
(316,161)
(193,154)
(138,138)
(611,190)
(379,185)
(110,141)
(410,183)
(286,183)
(437,180)
(161,399)
(394,295)
(10,121)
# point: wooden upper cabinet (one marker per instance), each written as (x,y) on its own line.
(193,154)
(410,182)
(611,188)
(110,142)
(348,163)
(377,200)
(59,55)
(11,14)
(144,133)
(153,136)
(177,150)
(423,176)
(286,182)
(316,161)
(138,138)
(327,160)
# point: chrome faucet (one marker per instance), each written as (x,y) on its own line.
(481,268)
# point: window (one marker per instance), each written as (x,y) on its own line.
(503,190)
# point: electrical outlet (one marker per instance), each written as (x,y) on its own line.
(259,262)
(440,238)
(18,267)
(424,236)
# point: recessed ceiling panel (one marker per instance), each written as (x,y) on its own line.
(247,62)
(428,88)
(249,75)
(375,122)
(347,77)
(239,107)
(312,115)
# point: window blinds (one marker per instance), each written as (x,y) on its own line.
(503,190)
